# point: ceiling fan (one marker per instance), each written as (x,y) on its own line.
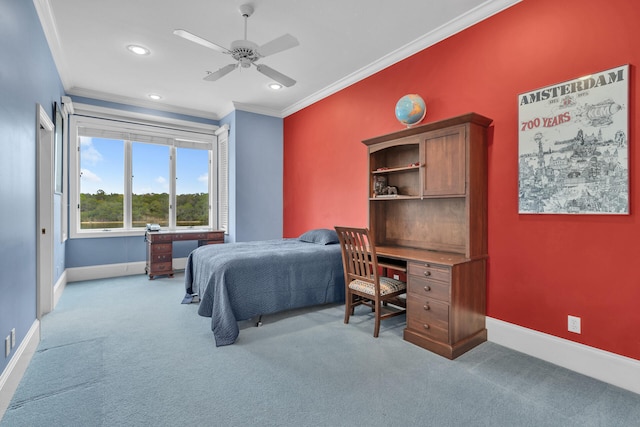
(246,52)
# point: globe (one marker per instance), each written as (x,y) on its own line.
(410,109)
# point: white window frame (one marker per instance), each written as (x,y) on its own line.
(67,110)
(180,133)
(222,189)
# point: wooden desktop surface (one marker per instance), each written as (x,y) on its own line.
(421,255)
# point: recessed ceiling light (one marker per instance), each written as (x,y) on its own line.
(275,86)
(138,50)
(154,96)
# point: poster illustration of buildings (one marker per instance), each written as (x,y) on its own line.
(573,146)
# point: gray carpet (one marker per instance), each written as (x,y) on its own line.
(126,352)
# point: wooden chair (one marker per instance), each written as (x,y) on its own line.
(364,284)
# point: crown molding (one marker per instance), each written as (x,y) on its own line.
(153,105)
(250,108)
(460,23)
(48,23)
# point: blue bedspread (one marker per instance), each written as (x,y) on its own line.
(238,281)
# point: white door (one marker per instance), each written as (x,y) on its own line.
(45,178)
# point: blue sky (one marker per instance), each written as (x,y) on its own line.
(102,168)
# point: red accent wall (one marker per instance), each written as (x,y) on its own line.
(541,267)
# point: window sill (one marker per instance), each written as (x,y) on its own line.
(92,234)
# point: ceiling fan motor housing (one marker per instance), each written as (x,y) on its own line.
(245,52)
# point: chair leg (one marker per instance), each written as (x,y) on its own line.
(348,307)
(376,329)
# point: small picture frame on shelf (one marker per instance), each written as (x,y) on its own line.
(379,185)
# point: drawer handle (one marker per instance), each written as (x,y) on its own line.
(427,273)
(426,326)
(427,288)
(426,307)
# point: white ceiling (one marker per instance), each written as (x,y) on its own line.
(341,42)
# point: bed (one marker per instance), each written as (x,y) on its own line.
(239,281)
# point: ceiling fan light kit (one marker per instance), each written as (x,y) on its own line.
(246,52)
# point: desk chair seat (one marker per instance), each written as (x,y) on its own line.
(364,284)
(387,286)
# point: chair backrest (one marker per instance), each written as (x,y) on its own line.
(358,255)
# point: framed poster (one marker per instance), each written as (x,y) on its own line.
(573,148)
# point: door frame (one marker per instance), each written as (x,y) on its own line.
(44,208)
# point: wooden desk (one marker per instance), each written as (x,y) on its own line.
(439,172)
(446,299)
(160,247)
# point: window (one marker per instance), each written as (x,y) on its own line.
(126,174)
(192,187)
(101,183)
(150,184)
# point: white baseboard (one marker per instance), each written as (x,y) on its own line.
(609,367)
(58,288)
(17,366)
(78,274)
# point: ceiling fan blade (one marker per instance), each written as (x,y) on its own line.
(221,72)
(278,45)
(275,75)
(206,43)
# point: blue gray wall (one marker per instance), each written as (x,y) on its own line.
(256,167)
(27,76)
(258,177)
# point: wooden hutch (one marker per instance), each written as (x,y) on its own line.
(435,227)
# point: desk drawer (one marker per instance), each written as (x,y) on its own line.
(430,271)
(422,287)
(428,317)
(215,238)
(191,236)
(161,248)
(160,267)
(161,257)
(157,237)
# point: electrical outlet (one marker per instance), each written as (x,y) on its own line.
(13,337)
(7,346)
(573,324)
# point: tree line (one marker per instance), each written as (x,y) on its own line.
(99,208)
